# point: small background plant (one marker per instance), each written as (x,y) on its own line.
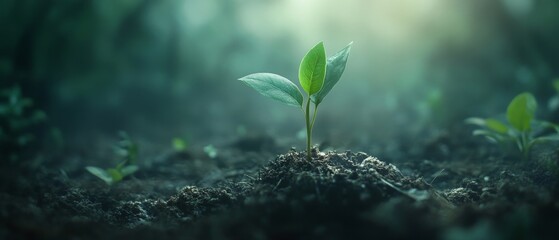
(522,130)
(18,118)
(126,152)
(553,103)
(179,144)
(317,76)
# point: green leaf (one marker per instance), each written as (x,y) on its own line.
(521,111)
(490,123)
(335,67)
(116,175)
(121,165)
(546,124)
(100,173)
(547,138)
(491,136)
(179,144)
(556,85)
(313,69)
(276,87)
(496,125)
(128,170)
(476,121)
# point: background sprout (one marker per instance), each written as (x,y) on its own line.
(522,130)
(126,152)
(19,122)
(179,144)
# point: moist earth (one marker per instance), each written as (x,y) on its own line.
(251,193)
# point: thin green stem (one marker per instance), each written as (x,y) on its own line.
(314,116)
(309,128)
(525,146)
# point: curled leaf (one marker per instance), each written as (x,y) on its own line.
(101,174)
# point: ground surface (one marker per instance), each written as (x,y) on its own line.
(442,187)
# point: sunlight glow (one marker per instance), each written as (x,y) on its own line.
(393,21)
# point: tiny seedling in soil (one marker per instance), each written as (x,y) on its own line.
(179,144)
(317,76)
(523,130)
(127,154)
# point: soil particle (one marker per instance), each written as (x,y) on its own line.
(133,213)
(461,196)
(194,201)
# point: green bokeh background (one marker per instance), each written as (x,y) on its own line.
(168,68)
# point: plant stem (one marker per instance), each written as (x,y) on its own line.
(525,147)
(309,129)
(314,116)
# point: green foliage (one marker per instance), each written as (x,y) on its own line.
(313,69)
(317,77)
(112,175)
(179,144)
(523,130)
(126,152)
(275,87)
(335,67)
(18,119)
(521,111)
(211,151)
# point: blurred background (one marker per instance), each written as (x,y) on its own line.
(164,69)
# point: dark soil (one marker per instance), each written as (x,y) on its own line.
(443,188)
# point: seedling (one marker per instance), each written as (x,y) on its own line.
(523,130)
(179,144)
(18,122)
(317,76)
(126,152)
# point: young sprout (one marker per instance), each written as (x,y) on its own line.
(18,120)
(317,76)
(126,152)
(179,144)
(523,130)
